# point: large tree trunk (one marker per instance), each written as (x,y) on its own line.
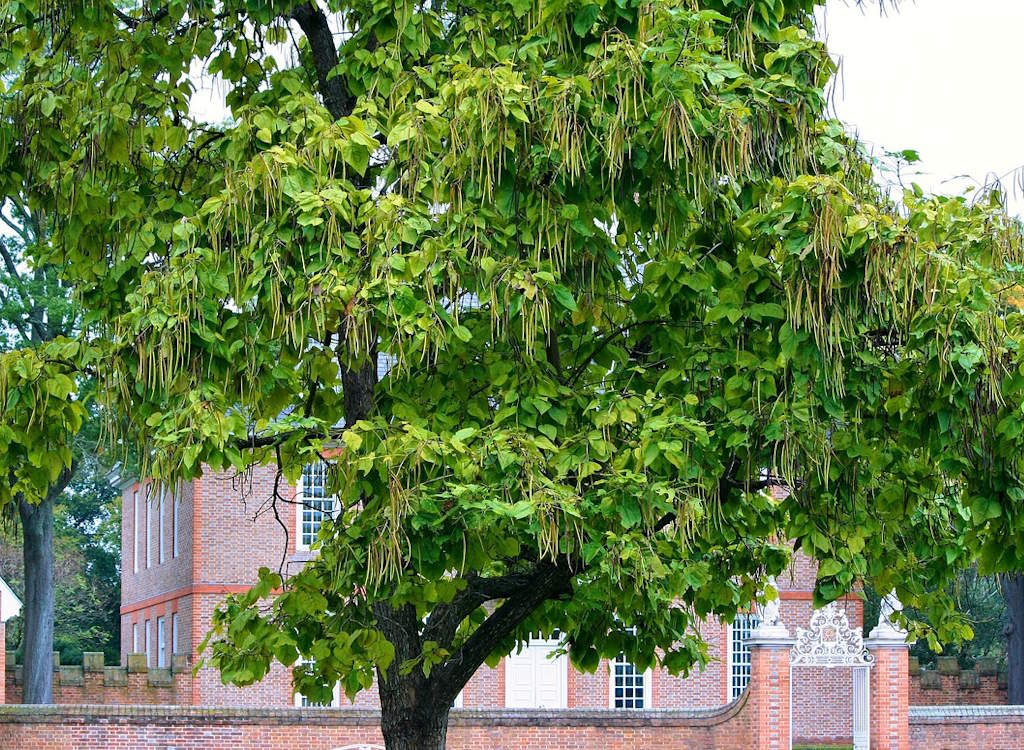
(1013,592)
(411,727)
(37,527)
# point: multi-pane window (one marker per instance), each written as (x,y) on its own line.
(629,685)
(315,506)
(175,513)
(149,534)
(135,637)
(174,633)
(161,523)
(135,553)
(149,640)
(739,652)
(161,642)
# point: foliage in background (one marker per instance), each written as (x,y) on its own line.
(980,599)
(87,552)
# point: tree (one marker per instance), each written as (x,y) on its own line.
(625,275)
(35,310)
(87,580)
(1013,591)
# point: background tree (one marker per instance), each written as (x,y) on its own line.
(87,576)
(36,309)
(624,274)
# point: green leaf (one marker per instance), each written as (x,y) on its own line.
(564,297)
(585,19)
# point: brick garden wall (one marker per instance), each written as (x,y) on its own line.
(189,728)
(93,682)
(967,728)
(948,685)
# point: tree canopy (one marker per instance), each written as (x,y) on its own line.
(625,274)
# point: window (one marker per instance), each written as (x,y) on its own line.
(161,642)
(160,519)
(629,687)
(739,652)
(149,536)
(302,701)
(135,522)
(314,504)
(149,640)
(135,637)
(175,514)
(174,633)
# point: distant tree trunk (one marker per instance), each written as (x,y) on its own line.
(37,528)
(1013,593)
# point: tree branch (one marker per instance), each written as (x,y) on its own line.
(550,581)
(314,25)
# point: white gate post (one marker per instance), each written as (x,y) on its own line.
(861,708)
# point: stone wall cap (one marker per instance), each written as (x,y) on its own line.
(964,712)
(324,716)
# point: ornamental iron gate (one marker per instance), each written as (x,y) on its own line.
(831,642)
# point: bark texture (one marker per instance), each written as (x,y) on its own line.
(1013,592)
(37,528)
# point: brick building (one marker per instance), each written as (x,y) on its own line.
(183,551)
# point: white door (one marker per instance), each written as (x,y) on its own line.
(533,679)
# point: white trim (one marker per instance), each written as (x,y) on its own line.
(135,530)
(174,633)
(648,687)
(149,637)
(161,519)
(561,662)
(135,637)
(175,518)
(149,532)
(300,544)
(161,642)
(751,618)
(10,604)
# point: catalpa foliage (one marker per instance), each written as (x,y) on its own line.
(627,275)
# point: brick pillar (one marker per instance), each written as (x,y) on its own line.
(770,690)
(890,685)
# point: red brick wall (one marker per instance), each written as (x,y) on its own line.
(95,683)
(184,728)
(967,728)
(948,685)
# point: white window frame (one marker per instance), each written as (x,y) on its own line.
(135,531)
(174,633)
(149,533)
(161,642)
(301,508)
(646,685)
(161,519)
(738,653)
(302,702)
(149,638)
(175,515)
(135,637)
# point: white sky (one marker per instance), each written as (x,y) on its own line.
(942,77)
